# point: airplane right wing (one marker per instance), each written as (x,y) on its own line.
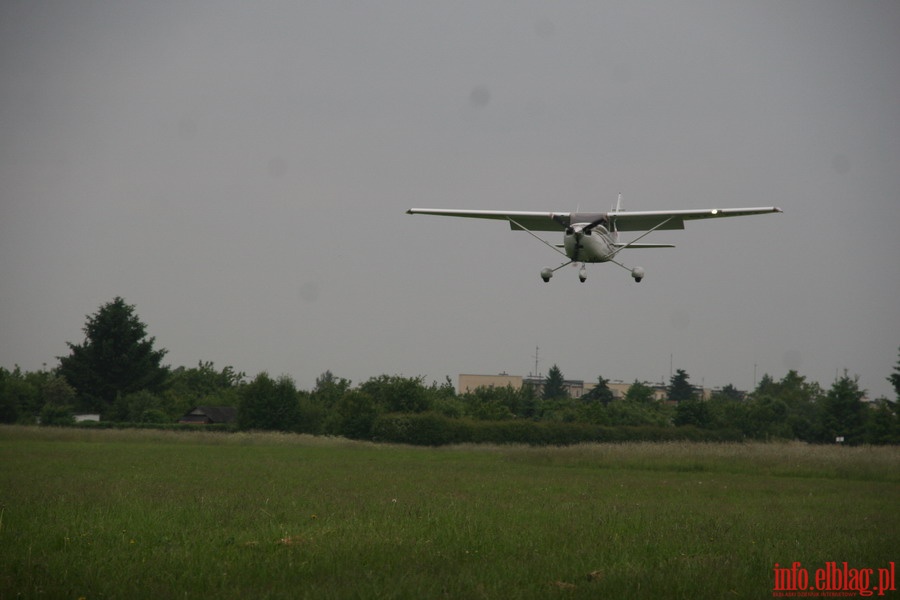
(534,221)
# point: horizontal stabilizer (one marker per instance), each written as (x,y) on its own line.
(620,245)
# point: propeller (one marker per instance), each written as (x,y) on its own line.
(562,222)
(590,226)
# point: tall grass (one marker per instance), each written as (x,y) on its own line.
(143,514)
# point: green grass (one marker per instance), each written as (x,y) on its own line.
(143,514)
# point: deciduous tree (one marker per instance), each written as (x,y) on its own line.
(267,403)
(639,392)
(396,393)
(329,389)
(692,411)
(353,416)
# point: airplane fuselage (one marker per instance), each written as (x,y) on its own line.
(594,245)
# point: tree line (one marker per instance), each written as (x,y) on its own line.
(117,373)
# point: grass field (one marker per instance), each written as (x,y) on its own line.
(143,514)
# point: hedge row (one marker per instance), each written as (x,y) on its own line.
(430,429)
(225,427)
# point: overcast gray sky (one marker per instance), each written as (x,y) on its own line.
(239,171)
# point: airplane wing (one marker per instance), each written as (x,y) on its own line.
(644,220)
(533,221)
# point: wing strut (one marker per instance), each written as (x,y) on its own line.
(540,239)
(639,238)
(637,272)
(547,273)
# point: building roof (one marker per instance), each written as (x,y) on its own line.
(210,414)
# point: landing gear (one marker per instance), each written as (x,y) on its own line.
(598,254)
(547,272)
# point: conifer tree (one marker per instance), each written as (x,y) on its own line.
(895,379)
(679,387)
(600,392)
(115,359)
(554,384)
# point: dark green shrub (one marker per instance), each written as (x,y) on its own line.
(53,415)
(420,429)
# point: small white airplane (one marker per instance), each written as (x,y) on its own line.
(594,237)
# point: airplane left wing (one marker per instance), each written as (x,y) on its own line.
(646,220)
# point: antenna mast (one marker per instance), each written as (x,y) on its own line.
(536,354)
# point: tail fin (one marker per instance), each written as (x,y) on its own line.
(613,229)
